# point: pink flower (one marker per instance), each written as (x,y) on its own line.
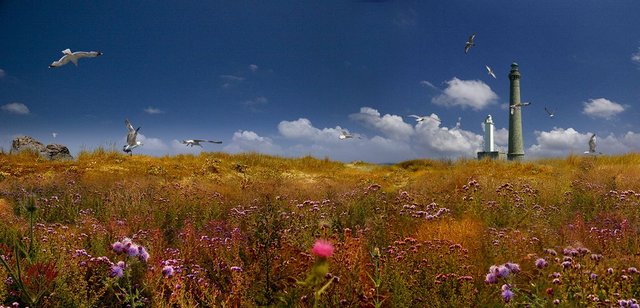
(322,249)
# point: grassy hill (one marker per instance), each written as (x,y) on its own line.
(237,230)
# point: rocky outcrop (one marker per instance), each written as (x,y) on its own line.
(51,151)
(58,151)
(27,143)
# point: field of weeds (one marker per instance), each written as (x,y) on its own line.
(220,230)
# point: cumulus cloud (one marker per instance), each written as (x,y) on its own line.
(392,126)
(249,141)
(474,94)
(152,110)
(397,140)
(302,129)
(561,142)
(602,108)
(150,145)
(253,67)
(16,108)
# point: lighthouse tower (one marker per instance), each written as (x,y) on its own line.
(489,150)
(516,145)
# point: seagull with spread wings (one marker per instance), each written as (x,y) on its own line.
(469,43)
(490,72)
(549,112)
(73,57)
(421,119)
(196,142)
(518,105)
(132,143)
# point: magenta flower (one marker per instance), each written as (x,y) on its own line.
(322,249)
(167,271)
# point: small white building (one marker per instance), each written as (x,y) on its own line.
(489,147)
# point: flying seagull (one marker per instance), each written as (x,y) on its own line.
(490,72)
(518,105)
(469,43)
(344,134)
(54,134)
(551,114)
(421,119)
(192,142)
(131,138)
(73,57)
(592,145)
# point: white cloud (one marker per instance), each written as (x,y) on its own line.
(399,140)
(602,108)
(230,80)
(253,67)
(466,93)
(16,108)
(636,56)
(2,73)
(303,129)
(249,141)
(152,110)
(562,142)
(392,126)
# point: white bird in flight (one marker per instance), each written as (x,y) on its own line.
(490,72)
(518,105)
(551,114)
(421,119)
(73,57)
(54,134)
(469,43)
(344,134)
(196,142)
(592,145)
(132,143)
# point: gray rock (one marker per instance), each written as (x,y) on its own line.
(58,151)
(51,151)
(27,143)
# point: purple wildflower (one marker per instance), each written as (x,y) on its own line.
(610,271)
(566,264)
(541,263)
(491,278)
(132,250)
(507,295)
(143,255)
(632,270)
(116,271)
(593,276)
(513,267)
(556,301)
(167,271)
(117,247)
(503,271)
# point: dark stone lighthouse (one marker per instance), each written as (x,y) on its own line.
(516,144)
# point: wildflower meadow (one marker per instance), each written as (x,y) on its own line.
(247,230)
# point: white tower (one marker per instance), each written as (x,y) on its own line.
(488,134)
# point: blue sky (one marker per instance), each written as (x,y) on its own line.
(282,77)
